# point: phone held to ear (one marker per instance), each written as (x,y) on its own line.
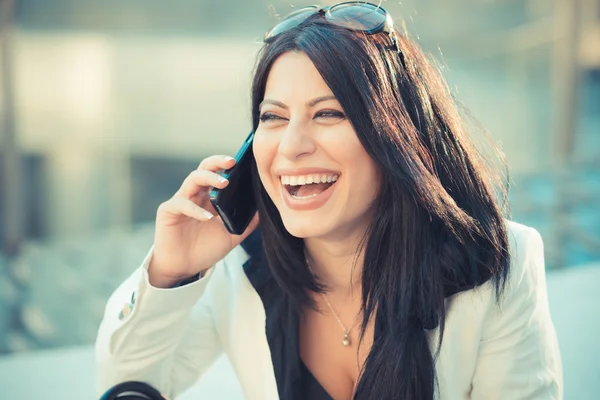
(236,204)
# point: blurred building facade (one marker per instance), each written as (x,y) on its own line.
(111,104)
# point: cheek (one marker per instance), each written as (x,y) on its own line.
(347,150)
(363,170)
(367,179)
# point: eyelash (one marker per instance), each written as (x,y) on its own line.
(330,114)
(268,116)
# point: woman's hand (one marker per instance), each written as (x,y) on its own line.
(189,237)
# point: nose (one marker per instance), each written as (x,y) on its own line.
(296,141)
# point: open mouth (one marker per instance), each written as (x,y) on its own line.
(308,186)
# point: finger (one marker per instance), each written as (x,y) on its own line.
(216,163)
(182,206)
(201,179)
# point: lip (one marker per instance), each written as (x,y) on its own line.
(305,171)
(308,204)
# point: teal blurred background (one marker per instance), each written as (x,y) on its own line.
(107,105)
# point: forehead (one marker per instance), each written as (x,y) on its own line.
(294,76)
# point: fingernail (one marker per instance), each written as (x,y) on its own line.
(227,158)
(222,179)
(208,215)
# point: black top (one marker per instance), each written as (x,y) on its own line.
(294,380)
(311,388)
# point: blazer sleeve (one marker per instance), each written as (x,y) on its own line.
(518,356)
(165,337)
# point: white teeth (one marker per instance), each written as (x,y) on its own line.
(308,179)
(305,197)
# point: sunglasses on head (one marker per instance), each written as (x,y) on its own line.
(353,15)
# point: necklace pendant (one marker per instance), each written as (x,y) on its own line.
(346,340)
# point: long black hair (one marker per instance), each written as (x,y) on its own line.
(438,225)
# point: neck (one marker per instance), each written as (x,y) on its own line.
(337,264)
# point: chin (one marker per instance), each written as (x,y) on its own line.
(303,227)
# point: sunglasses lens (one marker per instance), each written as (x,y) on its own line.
(357,16)
(292,21)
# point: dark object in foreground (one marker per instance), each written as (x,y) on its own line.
(133,390)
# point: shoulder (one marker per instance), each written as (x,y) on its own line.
(526,255)
(524,298)
(525,286)
(522,239)
(527,269)
(518,354)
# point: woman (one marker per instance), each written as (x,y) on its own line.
(383,267)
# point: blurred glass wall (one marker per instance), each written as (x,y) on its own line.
(107,106)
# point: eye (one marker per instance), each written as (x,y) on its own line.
(268,116)
(333,114)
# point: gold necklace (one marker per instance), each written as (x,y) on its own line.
(346,342)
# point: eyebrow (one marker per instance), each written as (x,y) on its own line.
(310,103)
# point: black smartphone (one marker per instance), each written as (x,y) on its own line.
(236,204)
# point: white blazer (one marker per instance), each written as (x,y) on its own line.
(169,337)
